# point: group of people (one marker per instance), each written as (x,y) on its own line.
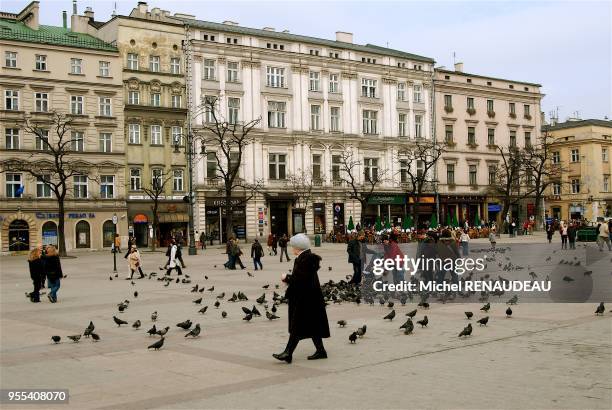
(233,251)
(274,242)
(44,263)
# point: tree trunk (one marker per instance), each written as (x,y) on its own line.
(502,217)
(155,225)
(229,215)
(61,238)
(537,211)
(362,214)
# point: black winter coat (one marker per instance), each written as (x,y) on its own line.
(307,316)
(353,248)
(53,267)
(37,269)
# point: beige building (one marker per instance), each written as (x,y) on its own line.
(583,149)
(475,115)
(47,69)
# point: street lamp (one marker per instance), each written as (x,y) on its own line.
(114,240)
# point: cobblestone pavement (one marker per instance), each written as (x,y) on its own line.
(548,356)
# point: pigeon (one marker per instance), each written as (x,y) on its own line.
(486,307)
(467,331)
(122,307)
(184,325)
(198,301)
(217,304)
(409,327)
(221,295)
(390,316)
(600,309)
(152,331)
(177,280)
(255,312)
(162,332)
(361,330)
(203,310)
(250,274)
(341,323)
(423,322)
(329,268)
(412,313)
(271,316)
(75,338)
(273,309)
(157,345)
(154,316)
(195,332)
(513,300)
(167,284)
(224,314)
(468,315)
(261,300)
(56,339)
(110,278)
(390,305)
(90,328)
(202,289)
(405,324)
(136,294)
(194,289)
(265,286)
(508,312)
(119,322)
(424,305)
(95,337)
(568,278)
(136,324)
(353,337)
(246,311)
(588,272)
(212,289)
(248,317)
(483,321)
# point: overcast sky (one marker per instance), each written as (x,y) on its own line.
(563,45)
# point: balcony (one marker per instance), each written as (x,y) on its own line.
(491,114)
(471,111)
(448,109)
(212,182)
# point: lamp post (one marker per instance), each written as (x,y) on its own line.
(114,240)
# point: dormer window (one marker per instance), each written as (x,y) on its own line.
(275,46)
(231,40)
(368,60)
(314,52)
(334,54)
(208,37)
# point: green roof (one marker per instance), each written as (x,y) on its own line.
(368,48)
(578,123)
(18,31)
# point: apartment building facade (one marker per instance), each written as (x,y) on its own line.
(475,115)
(582,148)
(47,70)
(316,98)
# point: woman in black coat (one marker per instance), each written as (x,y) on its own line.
(307,316)
(53,269)
(37,271)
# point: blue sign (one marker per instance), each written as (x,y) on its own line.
(494,207)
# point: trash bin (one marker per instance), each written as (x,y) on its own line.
(317,241)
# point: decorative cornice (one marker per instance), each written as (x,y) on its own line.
(250,64)
(349,75)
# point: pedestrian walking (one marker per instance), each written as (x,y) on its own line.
(307,316)
(231,261)
(571,235)
(275,244)
(173,262)
(269,243)
(135,263)
(257,253)
(237,252)
(392,251)
(604,236)
(53,271)
(492,238)
(117,243)
(203,240)
(353,249)
(563,232)
(550,230)
(179,254)
(131,242)
(282,242)
(464,239)
(37,270)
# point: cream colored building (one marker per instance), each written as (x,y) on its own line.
(475,115)
(46,69)
(583,148)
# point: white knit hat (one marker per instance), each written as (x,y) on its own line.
(300,241)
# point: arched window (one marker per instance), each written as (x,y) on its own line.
(49,233)
(19,236)
(108,233)
(83,239)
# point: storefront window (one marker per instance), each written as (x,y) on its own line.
(19,236)
(108,233)
(83,235)
(49,233)
(319,218)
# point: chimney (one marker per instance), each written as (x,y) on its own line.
(74,8)
(29,15)
(344,37)
(143,7)
(89,12)
(269,28)
(459,67)
(65,19)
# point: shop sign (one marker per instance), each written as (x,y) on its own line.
(494,207)
(71,215)
(386,200)
(423,200)
(221,201)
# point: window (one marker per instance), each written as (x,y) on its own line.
(175,101)
(556,188)
(12,138)
(512,108)
(526,110)
(40,63)
(105,106)
(450,174)
(606,183)
(420,165)
(417,93)
(314,81)
(233,110)
(156,135)
(177,135)
(575,155)
(370,167)
(11,100)
(209,69)
(157,178)
(316,167)
(334,83)
(403,171)
(175,65)
(41,102)
(211,165)
(154,64)
(575,186)
(472,171)
(604,154)
(401,91)
(276,114)
(314,52)
(401,124)
(104,69)
(334,119)
(210,104)
(134,133)
(275,77)
(10,59)
(80,186)
(134,97)
(135,179)
(512,138)
(107,186)
(76,104)
(471,134)
(448,133)
(42,140)
(490,107)
(76,66)
(448,101)
(178,180)
(106,142)
(155,99)
(77,141)
(336,162)
(418,126)
(368,87)
(556,157)
(315,117)
(43,188)
(492,174)
(491,136)
(232,72)
(13,186)
(470,103)
(132,61)
(369,121)
(276,166)
(527,139)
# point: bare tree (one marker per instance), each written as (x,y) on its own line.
(419,160)
(227,141)
(156,192)
(358,187)
(54,162)
(301,185)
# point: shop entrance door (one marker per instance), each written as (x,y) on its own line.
(278,218)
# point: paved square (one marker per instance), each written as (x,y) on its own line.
(547,356)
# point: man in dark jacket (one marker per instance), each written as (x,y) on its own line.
(282,242)
(256,253)
(353,248)
(307,316)
(571,235)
